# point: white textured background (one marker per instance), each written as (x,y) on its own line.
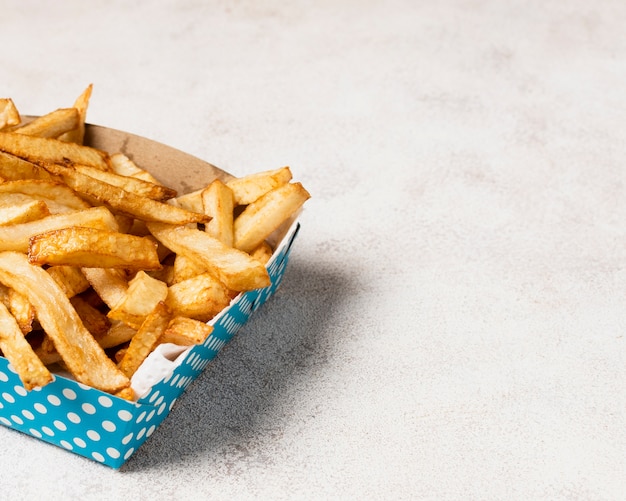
(452,322)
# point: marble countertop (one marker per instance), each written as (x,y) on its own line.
(451,324)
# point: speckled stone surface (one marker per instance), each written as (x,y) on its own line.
(451,325)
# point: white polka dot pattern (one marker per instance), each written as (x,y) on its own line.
(108,429)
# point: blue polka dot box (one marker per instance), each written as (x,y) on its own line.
(103,427)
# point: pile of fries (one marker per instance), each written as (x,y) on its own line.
(100,262)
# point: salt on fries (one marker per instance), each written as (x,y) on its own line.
(100,262)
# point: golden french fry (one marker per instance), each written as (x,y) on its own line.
(142,296)
(21,211)
(120,352)
(249,188)
(47,353)
(132,184)
(19,352)
(93,319)
(184,268)
(262,217)
(123,201)
(218,202)
(119,333)
(46,149)
(4,295)
(13,168)
(189,201)
(184,331)
(16,237)
(165,274)
(236,269)
(69,278)
(126,394)
(82,355)
(93,248)
(52,124)
(58,197)
(23,311)
(81,104)
(262,253)
(124,166)
(9,116)
(146,337)
(110,284)
(201,297)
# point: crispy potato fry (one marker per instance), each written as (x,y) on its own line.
(14,168)
(118,334)
(110,285)
(16,237)
(124,166)
(146,337)
(53,124)
(123,201)
(200,297)
(93,319)
(184,268)
(184,331)
(47,353)
(23,311)
(142,296)
(19,352)
(93,248)
(58,197)
(80,352)
(236,269)
(132,184)
(4,295)
(262,253)
(45,149)
(9,116)
(81,104)
(262,217)
(21,211)
(119,353)
(165,274)
(126,394)
(69,278)
(189,201)
(218,203)
(249,188)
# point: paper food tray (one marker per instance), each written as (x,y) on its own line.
(106,428)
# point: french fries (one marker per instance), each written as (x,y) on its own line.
(9,116)
(146,337)
(249,188)
(123,201)
(15,210)
(16,237)
(53,124)
(218,202)
(19,352)
(57,197)
(141,297)
(80,352)
(33,148)
(91,247)
(236,269)
(101,262)
(259,219)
